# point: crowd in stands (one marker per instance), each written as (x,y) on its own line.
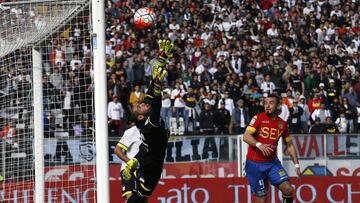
(67,80)
(230,54)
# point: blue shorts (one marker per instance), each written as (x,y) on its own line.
(258,174)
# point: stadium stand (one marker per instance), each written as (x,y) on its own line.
(227,53)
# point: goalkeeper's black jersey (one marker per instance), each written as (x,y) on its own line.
(154,140)
(153,134)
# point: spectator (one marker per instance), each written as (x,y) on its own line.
(207,120)
(68,110)
(295,114)
(190,114)
(8,133)
(335,108)
(136,96)
(23,85)
(123,87)
(129,72)
(179,104)
(357,86)
(268,86)
(276,78)
(57,56)
(240,117)
(351,96)
(295,82)
(287,98)
(284,112)
(305,116)
(222,119)
(166,107)
(332,91)
(323,94)
(273,31)
(317,127)
(255,108)
(321,113)
(138,71)
(330,128)
(228,102)
(309,82)
(350,114)
(315,102)
(209,99)
(56,78)
(342,123)
(75,63)
(115,114)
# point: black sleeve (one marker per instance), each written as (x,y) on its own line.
(155,111)
(149,96)
(155,106)
(141,153)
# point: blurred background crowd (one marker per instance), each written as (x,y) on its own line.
(228,55)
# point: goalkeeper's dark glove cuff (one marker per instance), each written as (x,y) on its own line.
(162,59)
(157,87)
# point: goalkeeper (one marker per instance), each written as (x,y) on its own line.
(148,162)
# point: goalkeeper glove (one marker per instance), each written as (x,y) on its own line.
(165,47)
(131,165)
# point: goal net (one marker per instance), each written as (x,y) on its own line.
(55,36)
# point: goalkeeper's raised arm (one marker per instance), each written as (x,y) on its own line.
(153,95)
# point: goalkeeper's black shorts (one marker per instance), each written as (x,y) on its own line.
(146,181)
(128,186)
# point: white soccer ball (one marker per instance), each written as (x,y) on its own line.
(144,17)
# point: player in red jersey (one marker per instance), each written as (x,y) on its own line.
(262,164)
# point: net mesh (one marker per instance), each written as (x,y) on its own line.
(28,22)
(59,33)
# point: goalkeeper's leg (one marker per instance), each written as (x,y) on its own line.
(137,198)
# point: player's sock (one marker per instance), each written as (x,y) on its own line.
(287,199)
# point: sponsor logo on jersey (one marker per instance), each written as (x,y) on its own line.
(282,173)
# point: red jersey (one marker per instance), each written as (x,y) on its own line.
(267,131)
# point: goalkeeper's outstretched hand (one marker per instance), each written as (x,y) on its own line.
(131,165)
(165,47)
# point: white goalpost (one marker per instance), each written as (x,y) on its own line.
(52,98)
(102,158)
(38,128)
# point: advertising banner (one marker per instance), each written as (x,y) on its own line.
(183,149)
(208,190)
(72,151)
(206,148)
(315,146)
